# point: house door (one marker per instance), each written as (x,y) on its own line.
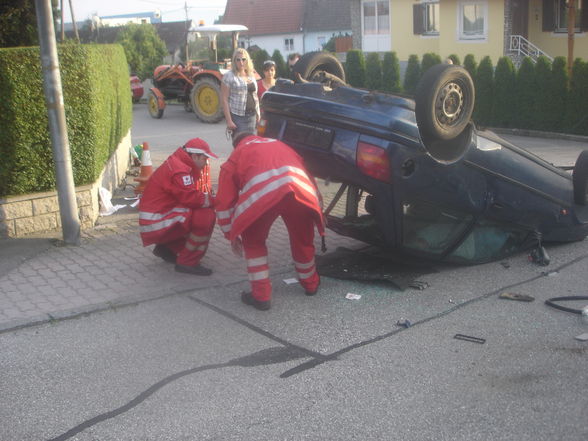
(520,17)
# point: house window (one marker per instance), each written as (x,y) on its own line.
(561,14)
(473,20)
(321,42)
(289,44)
(376,17)
(425,18)
(555,16)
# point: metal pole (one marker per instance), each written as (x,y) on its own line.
(68,207)
(73,20)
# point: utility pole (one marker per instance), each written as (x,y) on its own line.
(73,20)
(62,23)
(571,33)
(68,207)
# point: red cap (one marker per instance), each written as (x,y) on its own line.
(197,145)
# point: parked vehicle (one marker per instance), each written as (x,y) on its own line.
(136,88)
(197,82)
(418,178)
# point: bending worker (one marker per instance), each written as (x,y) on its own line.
(174,214)
(263,179)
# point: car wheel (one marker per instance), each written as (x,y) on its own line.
(580,179)
(444,101)
(313,65)
(153,107)
(206,101)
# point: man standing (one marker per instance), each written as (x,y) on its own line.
(263,179)
(174,214)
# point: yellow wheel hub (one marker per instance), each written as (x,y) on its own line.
(208,101)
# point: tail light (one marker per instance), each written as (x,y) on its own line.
(373,161)
(261,127)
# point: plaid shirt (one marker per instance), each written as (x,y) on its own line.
(238,93)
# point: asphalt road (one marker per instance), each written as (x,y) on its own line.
(202,366)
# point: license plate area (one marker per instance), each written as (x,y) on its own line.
(308,135)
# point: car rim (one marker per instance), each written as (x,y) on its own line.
(152,104)
(449,104)
(208,100)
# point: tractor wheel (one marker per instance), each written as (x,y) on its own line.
(206,100)
(154,109)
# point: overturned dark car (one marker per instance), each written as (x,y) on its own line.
(416,176)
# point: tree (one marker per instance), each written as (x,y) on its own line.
(391,72)
(577,113)
(373,71)
(355,68)
(143,48)
(503,93)
(18,23)
(412,74)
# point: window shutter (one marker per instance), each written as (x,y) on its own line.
(548,15)
(418,19)
(584,22)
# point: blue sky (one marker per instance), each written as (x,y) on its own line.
(171,10)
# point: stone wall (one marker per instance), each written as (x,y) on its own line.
(39,212)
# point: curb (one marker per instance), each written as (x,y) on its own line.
(538,134)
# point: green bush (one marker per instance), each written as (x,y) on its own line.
(98,109)
(412,74)
(259,57)
(543,110)
(390,72)
(484,84)
(355,68)
(558,90)
(577,108)
(504,90)
(525,94)
(454,59)
(373,71)
(429,60)
(469,64)
(281,67)
(143,48)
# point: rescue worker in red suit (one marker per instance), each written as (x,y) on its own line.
(263,179)
(176,216)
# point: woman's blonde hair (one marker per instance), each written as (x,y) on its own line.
(242,53)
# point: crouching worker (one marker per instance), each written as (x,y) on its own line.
(263,179)
(174,214)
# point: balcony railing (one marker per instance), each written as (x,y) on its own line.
(521,47)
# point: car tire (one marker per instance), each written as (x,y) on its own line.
(153,107)
(444,101)
(310,66)
(206,100)
(580,179)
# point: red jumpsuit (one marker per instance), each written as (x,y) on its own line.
(172,212)
(263,179)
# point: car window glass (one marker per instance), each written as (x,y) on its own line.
(489,240)
(428,228)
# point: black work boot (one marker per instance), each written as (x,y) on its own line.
(164,253)
(197,270)
(262,305)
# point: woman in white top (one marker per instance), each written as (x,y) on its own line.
(239,94)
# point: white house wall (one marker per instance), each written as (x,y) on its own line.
(272,42)
(312,39)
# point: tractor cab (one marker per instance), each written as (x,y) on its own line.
(196,82)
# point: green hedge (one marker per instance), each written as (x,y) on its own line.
(98,109)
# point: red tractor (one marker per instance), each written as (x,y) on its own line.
(196,83)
